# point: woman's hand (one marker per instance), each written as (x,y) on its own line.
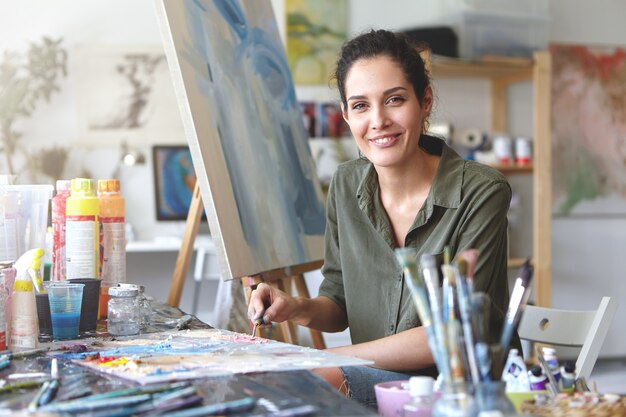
(271,304)
(274,305)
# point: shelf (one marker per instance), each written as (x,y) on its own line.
(515,68)
(514,263)
(514,169)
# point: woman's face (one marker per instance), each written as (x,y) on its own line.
(383,112)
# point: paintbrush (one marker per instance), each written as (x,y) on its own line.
(31,383)
(431,279)
(236,406)
(258,322)
(52,387)
(161,403)
(454,332)
(415,282)
(466,318)
(121,398)
(517,303)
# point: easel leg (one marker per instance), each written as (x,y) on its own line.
(186,248)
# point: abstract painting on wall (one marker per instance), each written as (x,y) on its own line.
(316,29)
(246,135)
(589,128)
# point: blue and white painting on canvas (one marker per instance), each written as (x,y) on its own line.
(245,132)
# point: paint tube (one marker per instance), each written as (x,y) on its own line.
(82,230)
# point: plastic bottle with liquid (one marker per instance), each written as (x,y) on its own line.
(553,362)
(515,373)
(24,320)
(82,230)
(421,404)
(58,203)
(568,375)
(537,379)
(113,249)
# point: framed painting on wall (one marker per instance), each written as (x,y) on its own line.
(125,93)
(588,125)
(248,142)
(174,181)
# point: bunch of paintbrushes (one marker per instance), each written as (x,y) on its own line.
(456,317)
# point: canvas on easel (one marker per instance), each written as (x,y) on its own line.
(248,143)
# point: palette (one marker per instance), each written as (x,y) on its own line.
(191,354)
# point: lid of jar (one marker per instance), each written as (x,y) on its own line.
(420,386)
(137,287)
(6,264)
(123,292)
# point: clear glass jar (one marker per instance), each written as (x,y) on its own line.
(456,400)
(491,396)
(124,317)
(145,308)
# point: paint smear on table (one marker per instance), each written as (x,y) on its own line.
(176,355)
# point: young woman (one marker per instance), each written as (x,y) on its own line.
(407,190)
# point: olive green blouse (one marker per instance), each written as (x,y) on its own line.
(466,208)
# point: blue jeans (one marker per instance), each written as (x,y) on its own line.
(361,381)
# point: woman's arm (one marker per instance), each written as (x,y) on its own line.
(404,351)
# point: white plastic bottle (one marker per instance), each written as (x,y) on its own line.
(421,404)
(515,374)
(24,321)
(552,361)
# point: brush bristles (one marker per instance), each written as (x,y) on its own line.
(461,265)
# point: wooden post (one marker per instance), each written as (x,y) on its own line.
(186,248)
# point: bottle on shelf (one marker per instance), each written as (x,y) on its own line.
(82,230)
(113,249)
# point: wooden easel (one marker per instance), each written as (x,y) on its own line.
(280,278)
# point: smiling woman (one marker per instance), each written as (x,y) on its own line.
(408,190)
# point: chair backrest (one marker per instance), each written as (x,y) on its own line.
(574,328)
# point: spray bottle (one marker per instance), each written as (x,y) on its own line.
(24,321)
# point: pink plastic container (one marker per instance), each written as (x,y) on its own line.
(391,397)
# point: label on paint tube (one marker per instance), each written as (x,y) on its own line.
(80,246)
(113,251)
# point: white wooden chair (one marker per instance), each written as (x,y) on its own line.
(572,328)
